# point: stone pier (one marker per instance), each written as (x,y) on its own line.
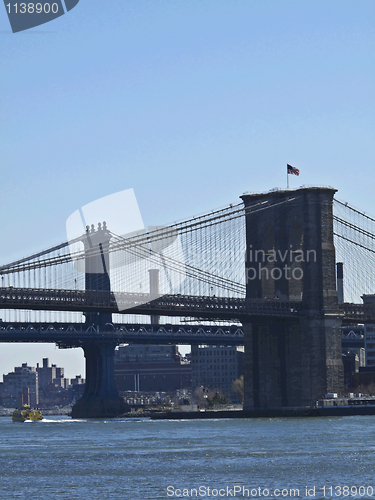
(100,398)
(290,255)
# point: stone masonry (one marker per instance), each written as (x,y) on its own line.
(290,255)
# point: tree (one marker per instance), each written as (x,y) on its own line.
(238,388)
(200,396)
(218,399)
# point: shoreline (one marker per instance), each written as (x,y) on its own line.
(333,411)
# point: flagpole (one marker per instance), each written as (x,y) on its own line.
(292,171)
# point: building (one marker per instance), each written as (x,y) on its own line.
(151,368)
(353,340)
(216,367)
(78,380)
(350,361)
(21,387)
(353,352)
(51,375)
(370,345)
(54,388)
(369,335)
(44,386)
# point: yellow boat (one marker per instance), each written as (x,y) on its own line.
(26,413)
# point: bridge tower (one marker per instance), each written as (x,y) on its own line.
(290,255)
(100,398)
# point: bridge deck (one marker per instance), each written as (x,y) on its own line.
(168,305)
(74,335)
(228,308)
(358,313)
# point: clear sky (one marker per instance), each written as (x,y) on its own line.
(189,102)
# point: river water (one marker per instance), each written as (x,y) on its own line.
(61,458)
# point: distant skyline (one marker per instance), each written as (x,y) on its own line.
(40,364)
(190,103)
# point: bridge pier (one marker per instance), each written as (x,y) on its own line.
(291,364)
(100,398)
(290,256)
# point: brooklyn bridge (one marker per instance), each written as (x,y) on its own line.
(266,272)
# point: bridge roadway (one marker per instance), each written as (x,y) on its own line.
(227,308)
(67,335)
(358,313)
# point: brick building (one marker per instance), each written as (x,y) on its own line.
(51,375)
(21,387)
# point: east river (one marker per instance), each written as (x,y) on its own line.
(61,458)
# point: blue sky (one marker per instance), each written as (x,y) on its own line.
(191,103)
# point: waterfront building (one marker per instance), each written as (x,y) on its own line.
(370,345)
(21,387)
(369,335)
(350,361)
(353,340)
(151,368)
(216,367)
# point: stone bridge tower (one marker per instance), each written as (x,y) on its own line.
(100,398)
(290,255)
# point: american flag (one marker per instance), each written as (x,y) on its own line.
(292,170)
